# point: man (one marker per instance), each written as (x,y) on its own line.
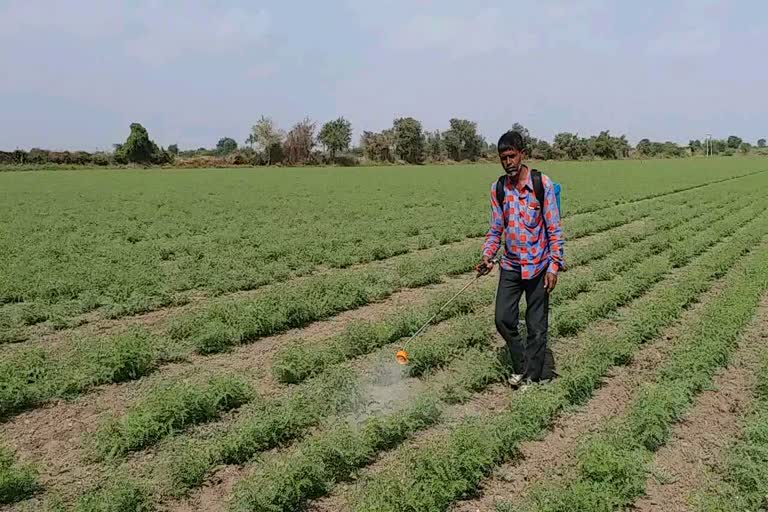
(532,257)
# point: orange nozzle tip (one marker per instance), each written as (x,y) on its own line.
(402,357)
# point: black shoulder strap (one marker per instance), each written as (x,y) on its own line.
(500,192)
(538,186)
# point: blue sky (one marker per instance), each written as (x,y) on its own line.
(76,73)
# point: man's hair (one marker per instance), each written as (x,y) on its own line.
(512,140)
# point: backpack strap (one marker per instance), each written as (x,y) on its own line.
(500,193)
(538,186)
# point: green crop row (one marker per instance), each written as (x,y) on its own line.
(608,296)
(298,361)
(478,369)
(169,409)
(261,426)
(289,481)
(229,323)
(286,482)
(31,377)
(612,466)
(17,481)
(213,233)
(669,194)
(431,478)
(743,481)
(274,422)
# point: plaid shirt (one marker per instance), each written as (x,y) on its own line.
(527,247)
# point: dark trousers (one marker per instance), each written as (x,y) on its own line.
(528,360)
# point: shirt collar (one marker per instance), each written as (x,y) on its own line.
(528,183)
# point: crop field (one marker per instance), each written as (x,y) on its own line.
(224,340)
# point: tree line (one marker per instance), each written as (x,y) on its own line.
(405,142)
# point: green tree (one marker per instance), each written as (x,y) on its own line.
(226,146)
(604,146)
(299,142)
(268,137)
(462,142)
(174,149)
(567,145)
(734,142)
(645,148)
(761,143)
(542,150)
(745,147)
(138,148)
(696,146)
(435,147)
(379,146)
(409,140)
(336,136)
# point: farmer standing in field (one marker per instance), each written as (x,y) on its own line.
(532,257)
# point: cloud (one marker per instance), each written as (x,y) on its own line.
(697,42)
(83,18)
(461,37)
(151,31)
(195,30)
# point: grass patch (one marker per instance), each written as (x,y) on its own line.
(17,481)
(31,377)
(169,409)
(613,466)
(431,479)
(743,479)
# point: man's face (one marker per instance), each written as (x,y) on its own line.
(511,160)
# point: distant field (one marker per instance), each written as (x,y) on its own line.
(130,241)
(288,397)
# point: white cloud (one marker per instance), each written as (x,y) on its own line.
(461,36)
(152,31)
(193,30)
(683,44)
(83,18)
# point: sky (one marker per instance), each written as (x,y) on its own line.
(76,73)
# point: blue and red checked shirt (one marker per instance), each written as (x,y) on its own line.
(528,247)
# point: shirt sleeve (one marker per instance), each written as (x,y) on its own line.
(554,228)
(493,237)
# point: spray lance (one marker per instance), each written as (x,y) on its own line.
(482,269)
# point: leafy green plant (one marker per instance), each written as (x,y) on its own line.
(289,480)
(261,426)
(17,482)
(452,466)
(169,409)
(613,466)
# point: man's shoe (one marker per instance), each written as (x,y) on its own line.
(515,380)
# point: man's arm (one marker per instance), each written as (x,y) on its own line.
(554,228)
(493,237)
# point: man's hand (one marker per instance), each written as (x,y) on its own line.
(485,267)
(550,282)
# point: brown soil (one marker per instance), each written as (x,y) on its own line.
(698,443)
(53,435)
(94,324)
(553,457)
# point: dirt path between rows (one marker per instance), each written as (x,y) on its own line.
(554,455)
(95,325)
(53,435)
(698,443)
